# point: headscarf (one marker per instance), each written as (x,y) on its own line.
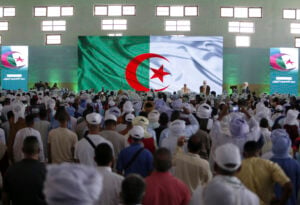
(177,104)
(281,143)
(177,128)
(238,127)
(291,117)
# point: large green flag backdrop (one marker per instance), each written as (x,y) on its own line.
(103,60)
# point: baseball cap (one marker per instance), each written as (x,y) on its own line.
(111,103)
(129,117)
(110,117)
(279,108)
(94,118)
(228,154)
(137,132)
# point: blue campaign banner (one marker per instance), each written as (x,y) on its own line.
(14,73)
(284,70)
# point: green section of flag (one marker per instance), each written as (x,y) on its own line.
(103,61)
(280,62)
(11,60)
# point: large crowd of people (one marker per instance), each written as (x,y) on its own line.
(157,148)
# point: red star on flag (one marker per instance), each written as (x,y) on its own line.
(290,62)
(19,59)
(159,73)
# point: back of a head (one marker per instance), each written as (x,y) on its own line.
(194,143)
(43,113)
(103,154)
(132,189)
(10,114)
(62,115)
(162,160)
(30,146)
(29,119)
(264,123)
(110,120)
(163,118)
(175,115)
(251,148)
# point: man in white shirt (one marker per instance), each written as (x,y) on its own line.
(43,126)
(225,188)
(85,148)
(22,134)
(110,194)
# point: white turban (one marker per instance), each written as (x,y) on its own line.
(159,103)
(177,127)
(238,127)
(72,184)
(291,118)
(141,121)
(153,116)
(204,111)
(177,104)
(127,107)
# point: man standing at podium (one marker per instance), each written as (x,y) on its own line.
(205,89)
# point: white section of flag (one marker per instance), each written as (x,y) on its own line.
(191,59)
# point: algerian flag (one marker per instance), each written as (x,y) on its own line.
(161,63)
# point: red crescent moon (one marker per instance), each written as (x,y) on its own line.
(132,67)
(5,62)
